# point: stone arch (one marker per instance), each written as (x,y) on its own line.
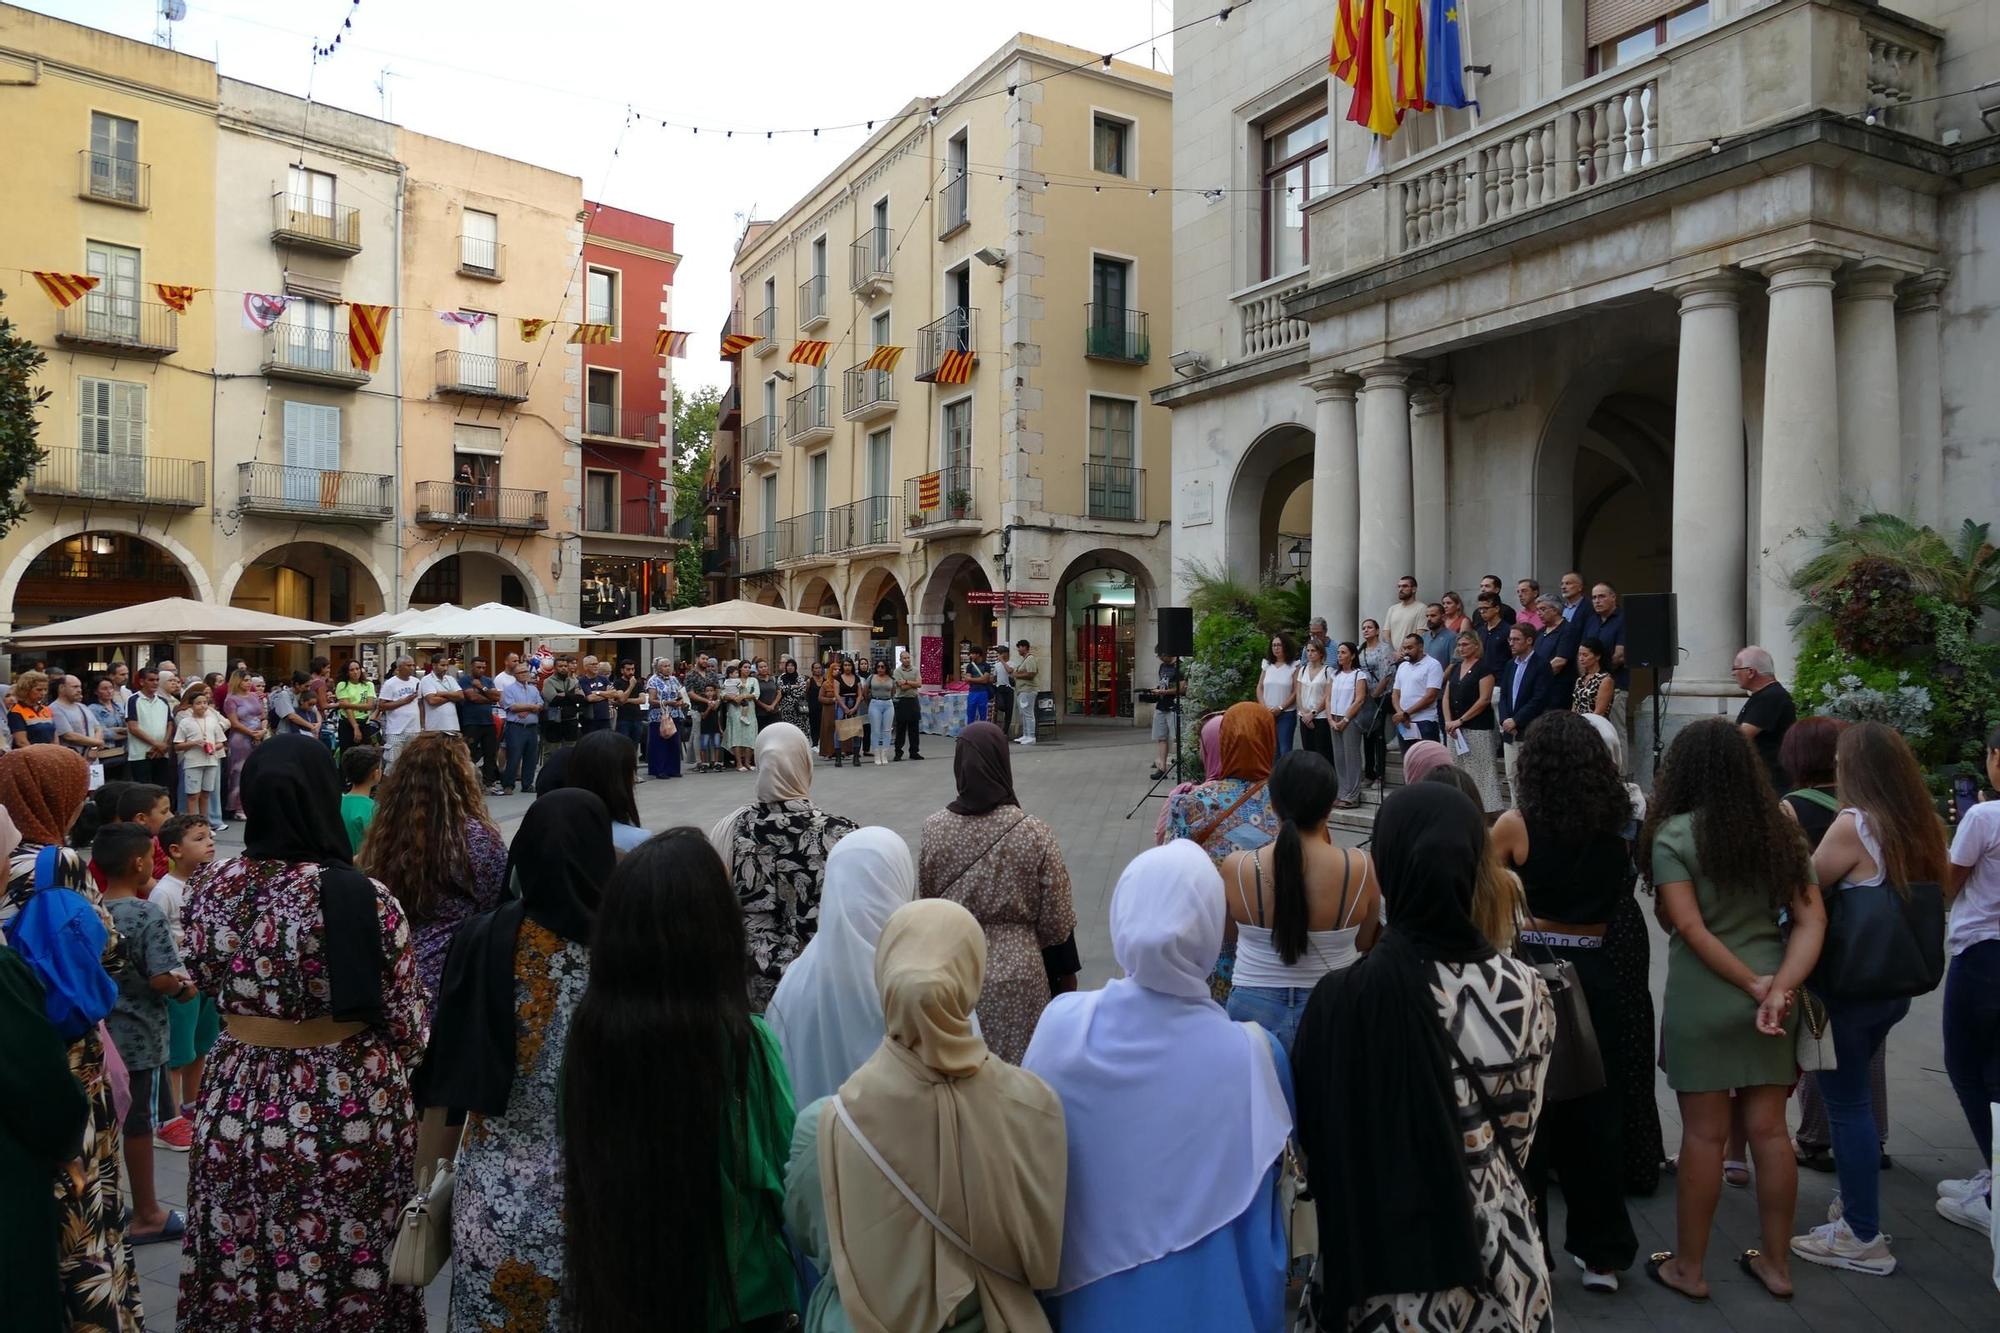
(1274,464)
(871,587)
(360,552)
(937,584)
(538,596)
(816,592)
(766,594)
(10,583)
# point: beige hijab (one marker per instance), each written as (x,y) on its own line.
(784,773)
(979,1141)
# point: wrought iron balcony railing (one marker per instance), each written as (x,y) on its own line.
(111,179)
(474,504)
(310,492)
(116,478)
(470,375)
(318,224)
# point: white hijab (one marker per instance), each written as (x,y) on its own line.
(1175,1114)
(827,1012)
(784,773)
(1616,744)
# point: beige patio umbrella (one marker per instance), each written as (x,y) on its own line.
(169,620)
(737,617)
(386,623)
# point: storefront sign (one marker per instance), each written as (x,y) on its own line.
(982,598)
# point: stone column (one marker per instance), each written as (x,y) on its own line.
(1336,506)
(1430,528)
(1387,545)
(1709,486)
(1798,486)
(1921,396)
(1871,420)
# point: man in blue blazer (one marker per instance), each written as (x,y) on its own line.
(1525,690)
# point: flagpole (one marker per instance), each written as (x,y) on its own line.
(1465,56)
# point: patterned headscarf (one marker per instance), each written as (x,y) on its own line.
(44,788)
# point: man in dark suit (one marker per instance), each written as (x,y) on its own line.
(1525,691)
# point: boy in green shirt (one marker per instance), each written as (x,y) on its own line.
(360,768)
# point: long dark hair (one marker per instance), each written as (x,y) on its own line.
(1302,789)
(1879,776)
(1568,780)
(1743,844)
(659,1053)
(602,764)
(431,799)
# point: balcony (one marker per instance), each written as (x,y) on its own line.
(481,258)
(317,356)
(315,224)
(1112,334)
(110,179)
(1114,491)
(1261,322)
(805,540)
(765,326)
(115,324)
(956,332)
(636,516)
(867,525)
(469,375)
(453,504)
(809,415)
(812,303)
(715,560)
(759,553)
(760,443)
(952,215)
(944,503)
(729,412)
(868,261)
(120,479)
(608,423)
(308,493)
(869,394)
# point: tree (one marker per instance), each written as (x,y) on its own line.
(694,434)
(20,399)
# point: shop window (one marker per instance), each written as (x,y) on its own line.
(1101,613)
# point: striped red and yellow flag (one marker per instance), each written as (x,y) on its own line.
(955,368)
(591,333)
(366,327)
(64,288)
(736,342)
(670,342)
(930,489)
(176,298)
(809,353)
(531,329)
(884,358)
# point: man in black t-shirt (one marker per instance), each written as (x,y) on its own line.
(1768,713)
(1166,703)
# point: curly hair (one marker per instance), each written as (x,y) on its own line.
(1568,780)
(1743,842)
(427,804)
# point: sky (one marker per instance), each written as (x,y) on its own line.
(551,83)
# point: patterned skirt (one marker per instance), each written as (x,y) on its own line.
(100,1282)
(1627,948)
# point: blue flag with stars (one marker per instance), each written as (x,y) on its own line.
(1444,70)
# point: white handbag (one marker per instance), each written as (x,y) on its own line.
(423,1234)
(1814,1044)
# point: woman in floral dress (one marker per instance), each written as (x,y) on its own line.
(306,1135)
(44,787)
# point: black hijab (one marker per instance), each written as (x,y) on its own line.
(557,867)
(291,799)
(983,770)
(1377,1114)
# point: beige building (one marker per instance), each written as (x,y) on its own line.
(1008,219)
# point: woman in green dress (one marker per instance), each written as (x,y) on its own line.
(1725,863)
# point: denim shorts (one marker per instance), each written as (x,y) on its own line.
(1276,1009)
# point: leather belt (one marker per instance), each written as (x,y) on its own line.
(285,1035)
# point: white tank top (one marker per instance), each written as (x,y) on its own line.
(1869,845)
(1258,962)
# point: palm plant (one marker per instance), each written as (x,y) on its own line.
(1963,571)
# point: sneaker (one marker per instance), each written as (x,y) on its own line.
(1834,1210)
(177,1135)
(218,827)
(1024,740)
(1836,1246)
(1593,1280)
(1971,1212)
(495,789)
(1977,1184)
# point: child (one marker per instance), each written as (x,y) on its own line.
(200,737)
(192,1025)
(141,804)
(360,768)
(150,977)
(710,706)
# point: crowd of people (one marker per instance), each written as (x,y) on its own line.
(793,1071)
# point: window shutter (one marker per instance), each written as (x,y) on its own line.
(296,449)
(1608,20)
(128,416)
(326,440)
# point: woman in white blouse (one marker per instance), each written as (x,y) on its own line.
(1277,689)
(1347,693)
(1315,684)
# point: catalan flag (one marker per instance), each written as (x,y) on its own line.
(1374,103)
(175,298)
(930,489)
(591,333)
(531,329)
(1406,17)
(670,342)
(733,343)
(808,353)
(884,358)
(955,367)
(366,325)
(1349,24)
(64,288)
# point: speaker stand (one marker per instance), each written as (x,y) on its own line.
(1173,773)
(1660,680)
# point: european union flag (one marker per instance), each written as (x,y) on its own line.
(1444,74)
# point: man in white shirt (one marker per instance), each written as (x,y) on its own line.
(439,696)
(1407,615)
(1003,688)
(396,704)
(1971,1017)
(1027,684)
(149,732)
(1419,679)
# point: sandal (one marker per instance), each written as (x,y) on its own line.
(1653,1263)
(1745,1261)
(1736,1175)
(173,1228)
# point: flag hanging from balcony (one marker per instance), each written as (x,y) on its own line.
(1349,29)
(1406,21)
(64,288)
(808,353)
(930,489)
(1373,106)
(262,309)
(670,342)
(366,326)
(1444,74)
(954,367)
(591,333)
(465,319)
(531,329)
(175,298)
(884,358)
(732,343)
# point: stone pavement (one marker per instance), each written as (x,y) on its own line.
(1083,787)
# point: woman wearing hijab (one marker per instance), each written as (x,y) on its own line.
(1232,812)
(1150,1072)
(974,1144)
(1000,863)
(775,850)
(1211,769)
(306,1126)
(792,691)
(512,982)
(44,788)
(1419,1074)
(825,1012)
(1421,758)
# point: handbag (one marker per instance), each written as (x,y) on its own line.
(1576,1064)
(667,728)
(1881,943)
(1814,1043)
(423,1233)
(849,728)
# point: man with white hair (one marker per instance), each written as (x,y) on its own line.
(1768,713)
(396,704)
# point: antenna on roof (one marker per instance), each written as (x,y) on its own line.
(171,12)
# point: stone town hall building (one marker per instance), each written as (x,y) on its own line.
(1699,278)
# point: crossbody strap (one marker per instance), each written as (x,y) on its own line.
(938,1224)
(991,847)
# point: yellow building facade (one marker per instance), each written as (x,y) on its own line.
(1009,219)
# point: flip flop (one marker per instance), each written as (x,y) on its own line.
(1653,1263)
(174,1228)
(1743,1261)
(1736,1175)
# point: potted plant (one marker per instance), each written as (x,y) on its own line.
(958,503)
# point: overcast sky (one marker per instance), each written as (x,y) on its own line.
(550,83)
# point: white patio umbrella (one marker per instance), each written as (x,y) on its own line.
(384,624)
(489,620)
(170,620)
(737,617)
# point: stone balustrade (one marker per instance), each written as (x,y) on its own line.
(1264,325)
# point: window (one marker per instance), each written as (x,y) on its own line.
(310,192)
(771,401)
(512,592)
(957,332)
(312,448)
(879,237)
(1110,299)
(1620,32)
(600,501)
(600,401)
(816,501)
(1110,145)
(957,442)
(114,158)
(111,309)
(440,583)
(479,243)
(476,439)
(879,459)
(770,499)
(1113,481)
(600,298)
(111,437)
(952,215)
(479,351)
(309,342)
(1296,169)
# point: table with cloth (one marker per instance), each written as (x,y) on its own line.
(941,712)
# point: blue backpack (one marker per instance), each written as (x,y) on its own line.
(61,938)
